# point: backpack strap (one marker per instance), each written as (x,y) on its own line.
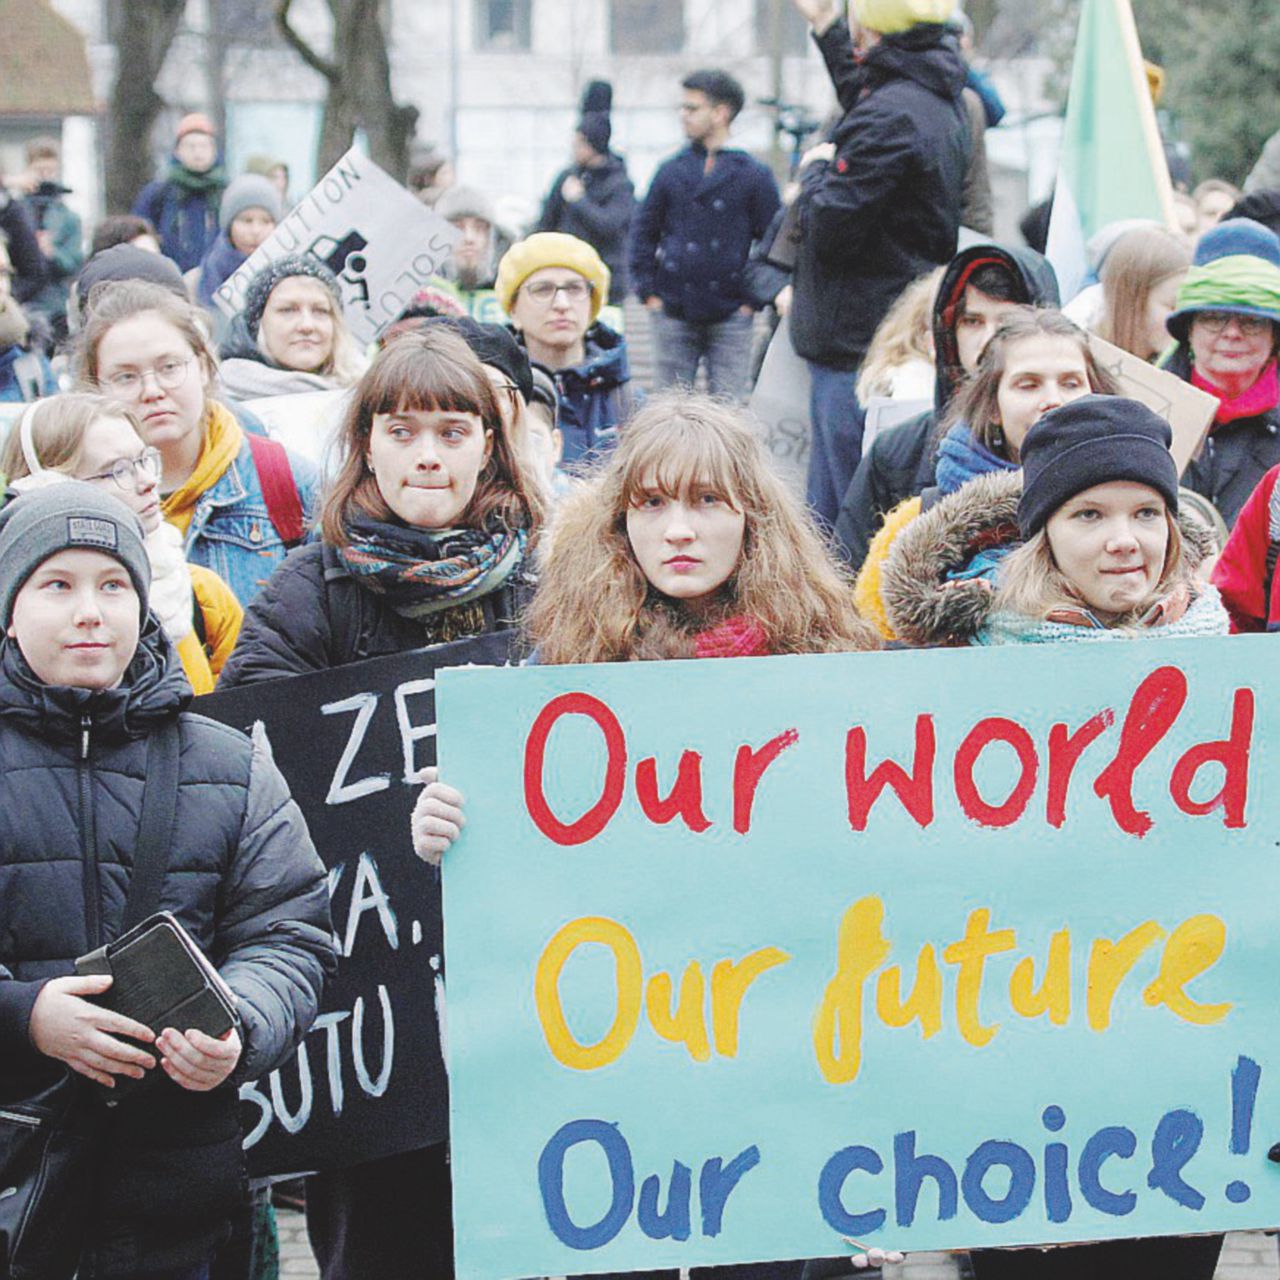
(155,826)
(279,490)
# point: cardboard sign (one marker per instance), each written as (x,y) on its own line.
(780,401)
(381,243)
(929,950)
(1188,410)
(369,1079)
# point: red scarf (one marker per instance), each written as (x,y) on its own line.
(737,637)
(1263,395)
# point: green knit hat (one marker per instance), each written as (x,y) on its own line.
(1237,269)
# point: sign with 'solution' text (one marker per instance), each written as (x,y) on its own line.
(925,950)
(381,243)
(369,1078)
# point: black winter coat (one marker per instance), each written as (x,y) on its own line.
(888,208)
(900,462)
(243,879)
(602,217)
(1235,456)
(313,615)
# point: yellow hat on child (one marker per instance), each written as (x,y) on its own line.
(891,16)
(551,249)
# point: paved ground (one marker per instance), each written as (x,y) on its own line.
(1246,1256)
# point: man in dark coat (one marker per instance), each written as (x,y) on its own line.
(593,199)
(693,234)
(982,285)
(882,211)
(183,205)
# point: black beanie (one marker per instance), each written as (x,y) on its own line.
(261,286)
(1093,440)
(595,125)
(493,345)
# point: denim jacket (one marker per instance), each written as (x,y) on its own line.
(231,532)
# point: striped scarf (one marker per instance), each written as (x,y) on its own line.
(420,572)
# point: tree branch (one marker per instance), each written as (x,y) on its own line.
(330,70)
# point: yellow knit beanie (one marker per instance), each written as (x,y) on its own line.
(551,249)
(890,16)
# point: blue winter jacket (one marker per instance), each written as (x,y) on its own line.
(596,396)
(37,373)
(693,232)
(231,531)
(185,213)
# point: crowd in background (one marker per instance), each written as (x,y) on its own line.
(176,523)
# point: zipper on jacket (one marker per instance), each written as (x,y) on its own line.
(89,842)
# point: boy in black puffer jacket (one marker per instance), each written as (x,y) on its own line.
(87,677)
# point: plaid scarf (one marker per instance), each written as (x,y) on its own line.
(420,572)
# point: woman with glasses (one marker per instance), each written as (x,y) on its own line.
(291,336)
(1227,326)
(553,286)
(240,502)
(94,438)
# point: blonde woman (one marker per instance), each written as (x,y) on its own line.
(93,438)
(900,361)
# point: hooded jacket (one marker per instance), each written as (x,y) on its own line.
(243,879)
(935,593)
(596,396)
(900,462)
(887,209)
(602,217)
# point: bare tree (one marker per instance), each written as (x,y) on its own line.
(142,31)
(358,74)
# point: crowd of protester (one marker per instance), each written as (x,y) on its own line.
(494,466)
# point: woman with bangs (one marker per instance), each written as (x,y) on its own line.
(425,538)
(686,545)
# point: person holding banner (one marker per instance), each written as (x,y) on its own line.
(686,545)
(291,336)
(426,537)
(1227,328)
(92,708)
(93,438)
(240,501)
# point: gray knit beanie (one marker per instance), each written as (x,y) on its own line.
(43,522)
(261,286)
(249,191)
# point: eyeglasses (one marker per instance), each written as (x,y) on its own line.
(169,375)
(1216,321)
(544,292)
(128,472)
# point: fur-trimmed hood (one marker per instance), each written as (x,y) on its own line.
(926,607)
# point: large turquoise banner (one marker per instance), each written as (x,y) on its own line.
(753,959)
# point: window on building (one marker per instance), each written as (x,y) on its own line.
(647,26)
(503,24)
(795,30)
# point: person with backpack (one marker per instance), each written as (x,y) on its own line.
(77,436)
(239,500)
(116,804)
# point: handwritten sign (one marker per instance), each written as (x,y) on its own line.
(1188,410)
(369,1079)
(926,949)
(381,243)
